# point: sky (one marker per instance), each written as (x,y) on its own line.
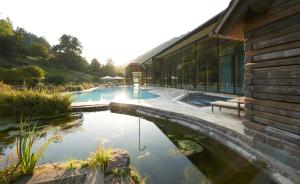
(117,29)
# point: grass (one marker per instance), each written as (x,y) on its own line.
(27,158)
(9,171)
(32,102)
(9,174)
(100,157)
(135,177)
(71,163)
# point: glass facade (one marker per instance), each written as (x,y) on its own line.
(208,64)
(189,64)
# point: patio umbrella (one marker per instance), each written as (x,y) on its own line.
(118,78)
(107,78)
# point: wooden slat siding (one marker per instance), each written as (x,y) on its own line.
(277,55)
(283,5)
(276,97)
(276,82)
(278,3)
(276,52)
(258,23)
(276,117)
(285,31)
(272,63)
(271,28)
(277,110)
(272,79)
(276,124)
(274,104)
(288,137)
(276,48)
(283,90)
(277,41)
(284,72)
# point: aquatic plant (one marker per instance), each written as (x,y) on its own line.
(27,137)
(100,157)
(188,147)
(71,162)
(122,176)
(136,178)
(9,171)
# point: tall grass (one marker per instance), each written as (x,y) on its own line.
(32,102)
(27,158)
(100,157)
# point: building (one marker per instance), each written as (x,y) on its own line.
(252,49)
(138,64)
(270,30)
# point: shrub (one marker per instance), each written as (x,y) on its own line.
(74,88)
(32,75)
(33,102)
(58,79)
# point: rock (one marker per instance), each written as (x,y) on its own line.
(119,159)
(59,173)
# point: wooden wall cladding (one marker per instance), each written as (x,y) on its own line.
(272,70)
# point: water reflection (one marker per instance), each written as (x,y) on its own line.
(160,150)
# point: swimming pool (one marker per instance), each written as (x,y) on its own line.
(112,94)
(160,150)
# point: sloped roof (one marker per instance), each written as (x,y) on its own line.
(148,55)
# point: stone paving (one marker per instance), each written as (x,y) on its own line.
(169,100)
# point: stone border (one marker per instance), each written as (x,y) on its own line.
(242,144)
(89,108)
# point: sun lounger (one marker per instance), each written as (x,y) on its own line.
(228,105)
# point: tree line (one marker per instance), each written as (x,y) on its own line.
(18,44)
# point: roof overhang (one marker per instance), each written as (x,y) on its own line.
(232,23)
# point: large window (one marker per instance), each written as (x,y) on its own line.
(189,65)
(231,67)
(239,81)
(176,77)
(209,64)
(208,70)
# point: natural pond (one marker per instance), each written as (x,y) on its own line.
(160,150)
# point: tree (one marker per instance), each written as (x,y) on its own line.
(6,28)
(109,68)
(95,66)
(38,50)
(68,52)
(9,41)
(68,45)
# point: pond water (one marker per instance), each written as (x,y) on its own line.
(160,150)
(112,94)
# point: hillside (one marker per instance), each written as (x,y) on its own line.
(51,70)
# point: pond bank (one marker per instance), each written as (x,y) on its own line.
(241,143)
(62,173)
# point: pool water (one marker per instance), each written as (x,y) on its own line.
(112,94)
(160,150)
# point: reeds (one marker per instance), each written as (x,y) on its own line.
(26,156)
(32,102)
(100,157)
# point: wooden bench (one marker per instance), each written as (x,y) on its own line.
(228,105)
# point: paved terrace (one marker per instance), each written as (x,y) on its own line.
(169,100)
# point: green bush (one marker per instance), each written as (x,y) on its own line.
(58,79)
(33,102)
(30,75)
(74,88)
